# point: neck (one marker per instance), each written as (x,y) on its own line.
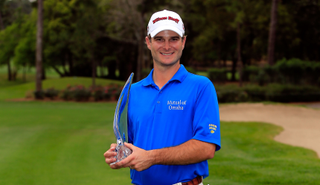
(162,74)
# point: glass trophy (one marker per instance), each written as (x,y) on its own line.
(120,122)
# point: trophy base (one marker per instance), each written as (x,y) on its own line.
(122,153)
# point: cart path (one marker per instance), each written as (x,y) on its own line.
(301,125)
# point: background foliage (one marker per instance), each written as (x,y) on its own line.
(110,33)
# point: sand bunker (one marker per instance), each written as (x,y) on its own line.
(301,125)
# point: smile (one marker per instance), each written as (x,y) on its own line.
(166,53)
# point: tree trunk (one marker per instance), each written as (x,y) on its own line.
(43,74)
(101,69)
(234,69)
(24,73)
(239,54)
(9,71)
(39,48)
(9,67)
(141,62)
(94,71)
(1,22)
(69,60)
(112,67)
(272,32)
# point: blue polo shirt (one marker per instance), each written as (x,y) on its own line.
(185,108)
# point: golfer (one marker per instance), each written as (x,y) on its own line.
(173,115)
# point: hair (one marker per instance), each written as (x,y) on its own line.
(149,36)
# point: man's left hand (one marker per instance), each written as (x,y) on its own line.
(139,159)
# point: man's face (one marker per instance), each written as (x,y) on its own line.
(166,47)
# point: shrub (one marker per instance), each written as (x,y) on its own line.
(145,72)
(292,93)
(38,94)
(271,92)
(113,91)
(298,72)
(231,93)
(292,70)
(250,73)
(217,75)
(107,95)
(97,92)
(191,70)
(272,74)
(80,93)
(311,73)
(51,93)
(255,93)
(66,94)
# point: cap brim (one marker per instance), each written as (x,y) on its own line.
(166,27)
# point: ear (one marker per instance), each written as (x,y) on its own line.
(184,41)
(148,42)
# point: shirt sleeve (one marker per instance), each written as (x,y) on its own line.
(206,123)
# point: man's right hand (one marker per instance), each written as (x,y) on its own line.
(110,154)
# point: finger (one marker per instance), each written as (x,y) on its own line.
(110,156)
(110,153)
(121,164)
(110,160)
(115,166)
(126,162)
(129,145)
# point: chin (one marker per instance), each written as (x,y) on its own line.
(172,63)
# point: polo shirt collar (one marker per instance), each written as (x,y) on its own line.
(180,75)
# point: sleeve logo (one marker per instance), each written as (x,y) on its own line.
(212,128)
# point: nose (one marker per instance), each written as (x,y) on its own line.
(166,45)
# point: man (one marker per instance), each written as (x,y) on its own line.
(173,115)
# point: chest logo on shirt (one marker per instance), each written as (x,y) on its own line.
(176,105)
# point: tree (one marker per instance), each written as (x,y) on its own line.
(8,42)
(25,51)
(11,13)
(219,31)
(1,20)
(272,32)
(127,22)
(305,30)
(39,49)
(71,33)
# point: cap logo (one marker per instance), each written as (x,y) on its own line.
(159,19)
(173,19)
(165,18)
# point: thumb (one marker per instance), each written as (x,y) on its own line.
(129,145)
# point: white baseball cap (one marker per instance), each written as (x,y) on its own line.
(165,20)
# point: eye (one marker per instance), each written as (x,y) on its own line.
(175,39)
(158,39)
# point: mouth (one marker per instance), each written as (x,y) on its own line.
(167,54)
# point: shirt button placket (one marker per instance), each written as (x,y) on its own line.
(158,105)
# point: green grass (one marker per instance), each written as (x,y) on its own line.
(63,143)
(249,155)
(20,90)
(57,143)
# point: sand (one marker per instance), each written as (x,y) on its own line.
(301,124)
